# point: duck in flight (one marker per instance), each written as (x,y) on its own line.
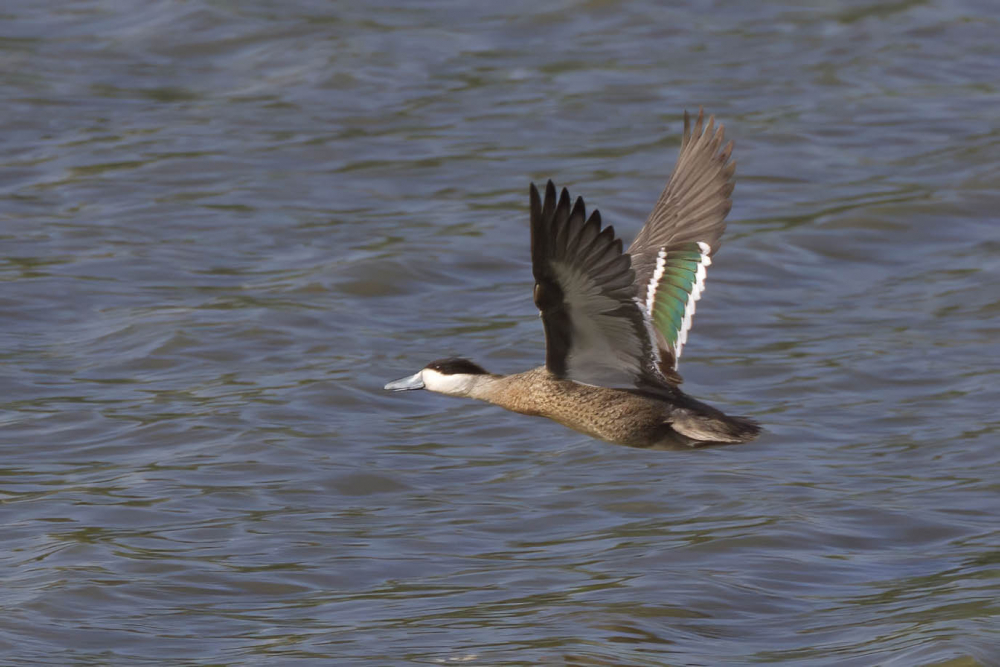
(616,322)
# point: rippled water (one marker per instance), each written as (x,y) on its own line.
(225,225)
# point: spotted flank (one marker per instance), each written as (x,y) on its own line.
(677,283)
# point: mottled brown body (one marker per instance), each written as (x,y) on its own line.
(616,415)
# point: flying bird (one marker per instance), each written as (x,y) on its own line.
(617,322)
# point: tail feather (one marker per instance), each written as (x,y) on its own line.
(707,428)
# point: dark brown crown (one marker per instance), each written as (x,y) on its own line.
(456,366)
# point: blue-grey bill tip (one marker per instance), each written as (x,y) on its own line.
(411,382)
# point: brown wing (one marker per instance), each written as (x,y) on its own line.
(694,204)
(674,247)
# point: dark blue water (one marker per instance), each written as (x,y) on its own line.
(224,226)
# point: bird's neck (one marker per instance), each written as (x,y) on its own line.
(486,387)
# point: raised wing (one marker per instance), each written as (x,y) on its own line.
(595,331)
(675,246)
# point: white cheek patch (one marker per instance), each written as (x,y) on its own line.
(457,384)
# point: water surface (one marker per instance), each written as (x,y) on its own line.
(224,226)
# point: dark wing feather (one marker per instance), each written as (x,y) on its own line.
(694,204)
(595,331)
(681,234)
